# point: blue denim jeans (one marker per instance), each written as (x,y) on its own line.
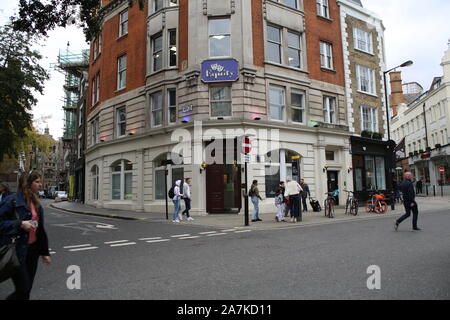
(176,210)
(255,201)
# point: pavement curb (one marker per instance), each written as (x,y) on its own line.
(87,213)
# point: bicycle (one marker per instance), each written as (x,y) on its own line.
(352,203)
(329,204)
(376,203)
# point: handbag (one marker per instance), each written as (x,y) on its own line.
(9,262)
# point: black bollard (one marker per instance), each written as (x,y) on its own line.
(393,200)
(434,191)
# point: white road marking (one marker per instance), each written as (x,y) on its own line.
(216,234)
(229,230)
(241,231)
(180,235)
(162,240)
(145,239)
(193,237)
(79,246)
(118,241)
(52,252)
(209,232)
(82,249)
(123,244)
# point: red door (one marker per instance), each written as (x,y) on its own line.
(214,189)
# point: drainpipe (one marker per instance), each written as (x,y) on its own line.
(426,129)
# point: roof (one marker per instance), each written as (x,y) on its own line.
(358,2)
(410,97)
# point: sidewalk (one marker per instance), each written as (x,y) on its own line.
(226,221)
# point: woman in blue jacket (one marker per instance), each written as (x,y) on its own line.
(32,241)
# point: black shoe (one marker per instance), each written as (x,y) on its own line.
(254,220)
(259,220)
(396,226)
(417,229)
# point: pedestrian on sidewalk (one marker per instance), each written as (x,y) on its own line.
(177,201)
(419,186)
(304,194)
(279,203)
(4,191)
(282,189)
(409,201)
(187,198)
(32,241)
(293,190)
(254,195)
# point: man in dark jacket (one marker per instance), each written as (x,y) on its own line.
(409,201)
(305,193)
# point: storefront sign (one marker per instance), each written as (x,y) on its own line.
(220,70)
(187,108)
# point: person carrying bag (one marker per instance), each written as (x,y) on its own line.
(9,262)
(27,227)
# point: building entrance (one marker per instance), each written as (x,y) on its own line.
(223,181)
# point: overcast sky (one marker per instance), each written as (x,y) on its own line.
(416,30)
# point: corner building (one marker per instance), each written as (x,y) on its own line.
(204,72)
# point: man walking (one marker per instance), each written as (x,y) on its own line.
(409,201)
(293,190)
(305,194)
(187,198)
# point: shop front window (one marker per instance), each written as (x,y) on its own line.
(375,173)
(272,180)
(281,165)
(380,173)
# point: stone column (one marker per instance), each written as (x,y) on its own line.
(140,180)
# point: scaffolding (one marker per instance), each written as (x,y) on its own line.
(72,66)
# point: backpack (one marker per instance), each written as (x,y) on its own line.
(172,193)
(182,187)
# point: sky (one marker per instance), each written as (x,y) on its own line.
(417,30)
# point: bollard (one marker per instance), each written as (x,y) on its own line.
(426,187)
(393,201)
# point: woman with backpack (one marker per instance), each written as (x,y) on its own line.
(177,195)
(31,238)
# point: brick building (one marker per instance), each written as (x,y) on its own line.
(364,62)
(212,71)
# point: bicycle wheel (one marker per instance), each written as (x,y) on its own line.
(369,206)
(354,208)
(348,204)
(331,215)
(380,207)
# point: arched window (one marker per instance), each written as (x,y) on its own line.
(95,182)
(122,180)
(281,165)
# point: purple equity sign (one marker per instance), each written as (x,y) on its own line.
(220,70)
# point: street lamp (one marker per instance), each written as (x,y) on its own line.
(404,64)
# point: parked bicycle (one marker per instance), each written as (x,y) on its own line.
(377,203)
(352,204)
(330,203)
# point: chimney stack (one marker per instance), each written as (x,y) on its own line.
(396,91)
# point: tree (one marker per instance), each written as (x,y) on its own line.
(21,77)
(41,16)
